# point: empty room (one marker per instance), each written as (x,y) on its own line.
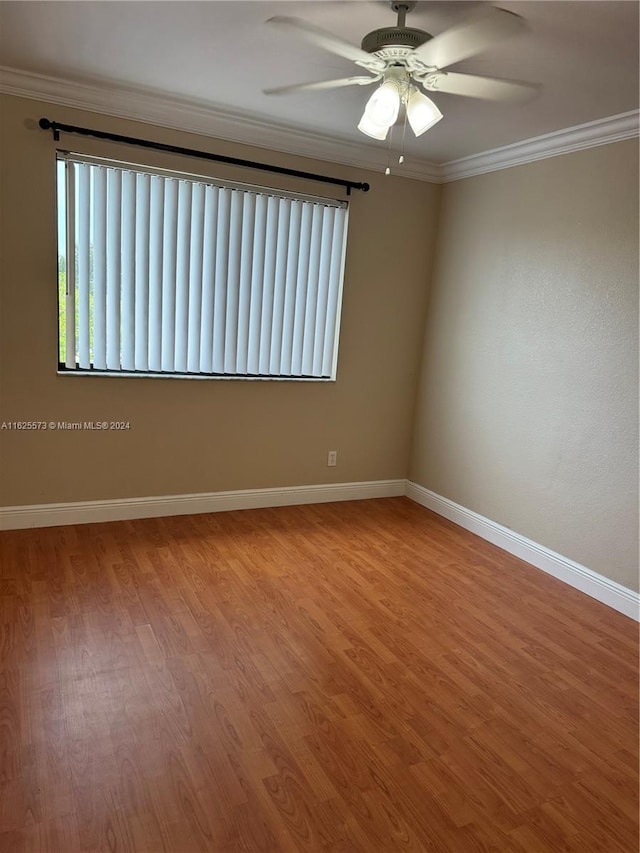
(319,426)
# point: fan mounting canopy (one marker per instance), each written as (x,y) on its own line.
(386,37)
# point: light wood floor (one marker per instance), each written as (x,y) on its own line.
(345,677)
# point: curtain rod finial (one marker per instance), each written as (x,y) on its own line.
(46,124)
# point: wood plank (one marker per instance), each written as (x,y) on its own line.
(361,677)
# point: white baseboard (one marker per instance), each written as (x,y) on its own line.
(83,512)
(597,586)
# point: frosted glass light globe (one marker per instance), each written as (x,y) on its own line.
(383,106)
(371,129)
(422,113)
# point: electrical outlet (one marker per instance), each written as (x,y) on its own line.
(332,458)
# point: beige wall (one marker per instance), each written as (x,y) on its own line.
(527,404)
(527,401)
(201,436)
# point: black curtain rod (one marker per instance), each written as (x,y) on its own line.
(58,128)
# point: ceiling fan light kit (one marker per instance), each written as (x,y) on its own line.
(381,111)
(405,59)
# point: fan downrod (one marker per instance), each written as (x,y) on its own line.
(401,9)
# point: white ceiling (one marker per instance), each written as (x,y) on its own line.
(584,55)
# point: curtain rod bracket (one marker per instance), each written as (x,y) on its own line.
(56,128)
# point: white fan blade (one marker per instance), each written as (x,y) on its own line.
(472,86)
(326,40)
(471,37)
(322,84)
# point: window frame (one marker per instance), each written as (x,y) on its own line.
(66,187)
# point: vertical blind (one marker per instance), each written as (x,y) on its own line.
(171,274)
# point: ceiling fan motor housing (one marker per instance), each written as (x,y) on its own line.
(390,37)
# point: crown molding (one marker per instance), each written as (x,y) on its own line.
(600,132)
(193,116)
(171,111)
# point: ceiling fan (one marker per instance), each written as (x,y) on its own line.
(403,59)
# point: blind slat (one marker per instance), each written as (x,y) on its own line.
(183,258)
(169,261)
(330,351)
(195,277)
(279,284)
(83,278)
(233,283)
(268,282)
(323,293)
(220,279)
(301,290)
(70,296)
(208,278)
(128,312)
(288,314)
(100,268)
(244,296)
(156,230)
(114,262)
(312,293)
(142,247)
(257,290)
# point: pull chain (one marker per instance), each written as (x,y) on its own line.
(387,171)
(404,131)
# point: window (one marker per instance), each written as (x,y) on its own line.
(162,273)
